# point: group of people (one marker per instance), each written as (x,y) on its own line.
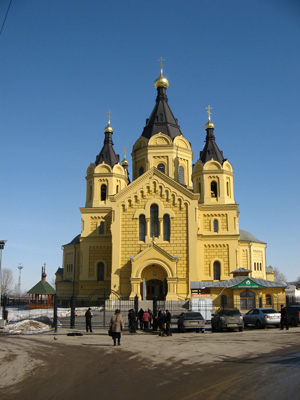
(160,321)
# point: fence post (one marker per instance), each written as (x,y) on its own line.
(55,313)
(73,304)
(104,309)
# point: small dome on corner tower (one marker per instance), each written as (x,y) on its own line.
(161,81)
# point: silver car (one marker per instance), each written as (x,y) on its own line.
(191,321)
(262,317)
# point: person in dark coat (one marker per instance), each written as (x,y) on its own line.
(132,321)
(88,319)
(283,318)
(140,315)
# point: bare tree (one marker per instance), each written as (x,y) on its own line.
(7,281)
(298,282)
(278,275)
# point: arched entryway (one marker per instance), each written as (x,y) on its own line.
(154,283)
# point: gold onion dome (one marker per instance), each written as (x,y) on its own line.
(209,124)
(108,128)
(125,163)
(161,81)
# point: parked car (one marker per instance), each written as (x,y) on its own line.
(293,315)
(227,318)
(262,317)
(191,320)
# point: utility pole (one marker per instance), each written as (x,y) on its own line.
(2,244)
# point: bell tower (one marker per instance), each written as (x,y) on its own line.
(106,176)
(213,174)
(162,144)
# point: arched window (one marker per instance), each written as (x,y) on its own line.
(216,225)
(101,228)
(217,271)
(141,171)
(200,187)
(247,300)
(117,189)
(103,192)
(100,272)
(181,175)
(214,189)
(142,228)
(268,300)
(161,167)
(166,227)
(224,301)
(154,223)
(227,186)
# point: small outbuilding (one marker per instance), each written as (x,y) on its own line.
(42,294)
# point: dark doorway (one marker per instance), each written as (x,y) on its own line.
(154,288)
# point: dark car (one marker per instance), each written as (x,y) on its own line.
(227,318)
(293,315)
(191,320)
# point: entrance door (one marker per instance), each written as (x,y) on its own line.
(154,288)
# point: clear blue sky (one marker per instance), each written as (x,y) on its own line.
(65,63)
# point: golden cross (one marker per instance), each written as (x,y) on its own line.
(208,108)
(109,114)
(124,148)
(161,62)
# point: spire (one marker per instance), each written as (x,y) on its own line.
(211,150)
(161,118)
(107,154)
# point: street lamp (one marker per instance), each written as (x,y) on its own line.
(20,267)
(2,244)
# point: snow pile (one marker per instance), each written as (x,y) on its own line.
(26,327)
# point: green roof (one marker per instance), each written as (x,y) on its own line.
(42,288)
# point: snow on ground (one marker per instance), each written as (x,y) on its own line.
(26,327)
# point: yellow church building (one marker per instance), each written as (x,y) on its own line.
(173,231)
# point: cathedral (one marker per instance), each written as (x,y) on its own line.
(172,229)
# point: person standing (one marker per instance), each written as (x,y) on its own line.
(146,319)
(140,316)
(116,326)
(283,318)
(88,319)
(132,321)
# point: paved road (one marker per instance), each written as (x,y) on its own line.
(88,367)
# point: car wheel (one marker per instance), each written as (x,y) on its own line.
(258,324)
(241,329)
(213,329)
(197,330)
(202,330)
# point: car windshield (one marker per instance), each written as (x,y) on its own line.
(193,315)
(269,311)
(230,312)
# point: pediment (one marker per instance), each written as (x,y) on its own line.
(153,252)
(159,180)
